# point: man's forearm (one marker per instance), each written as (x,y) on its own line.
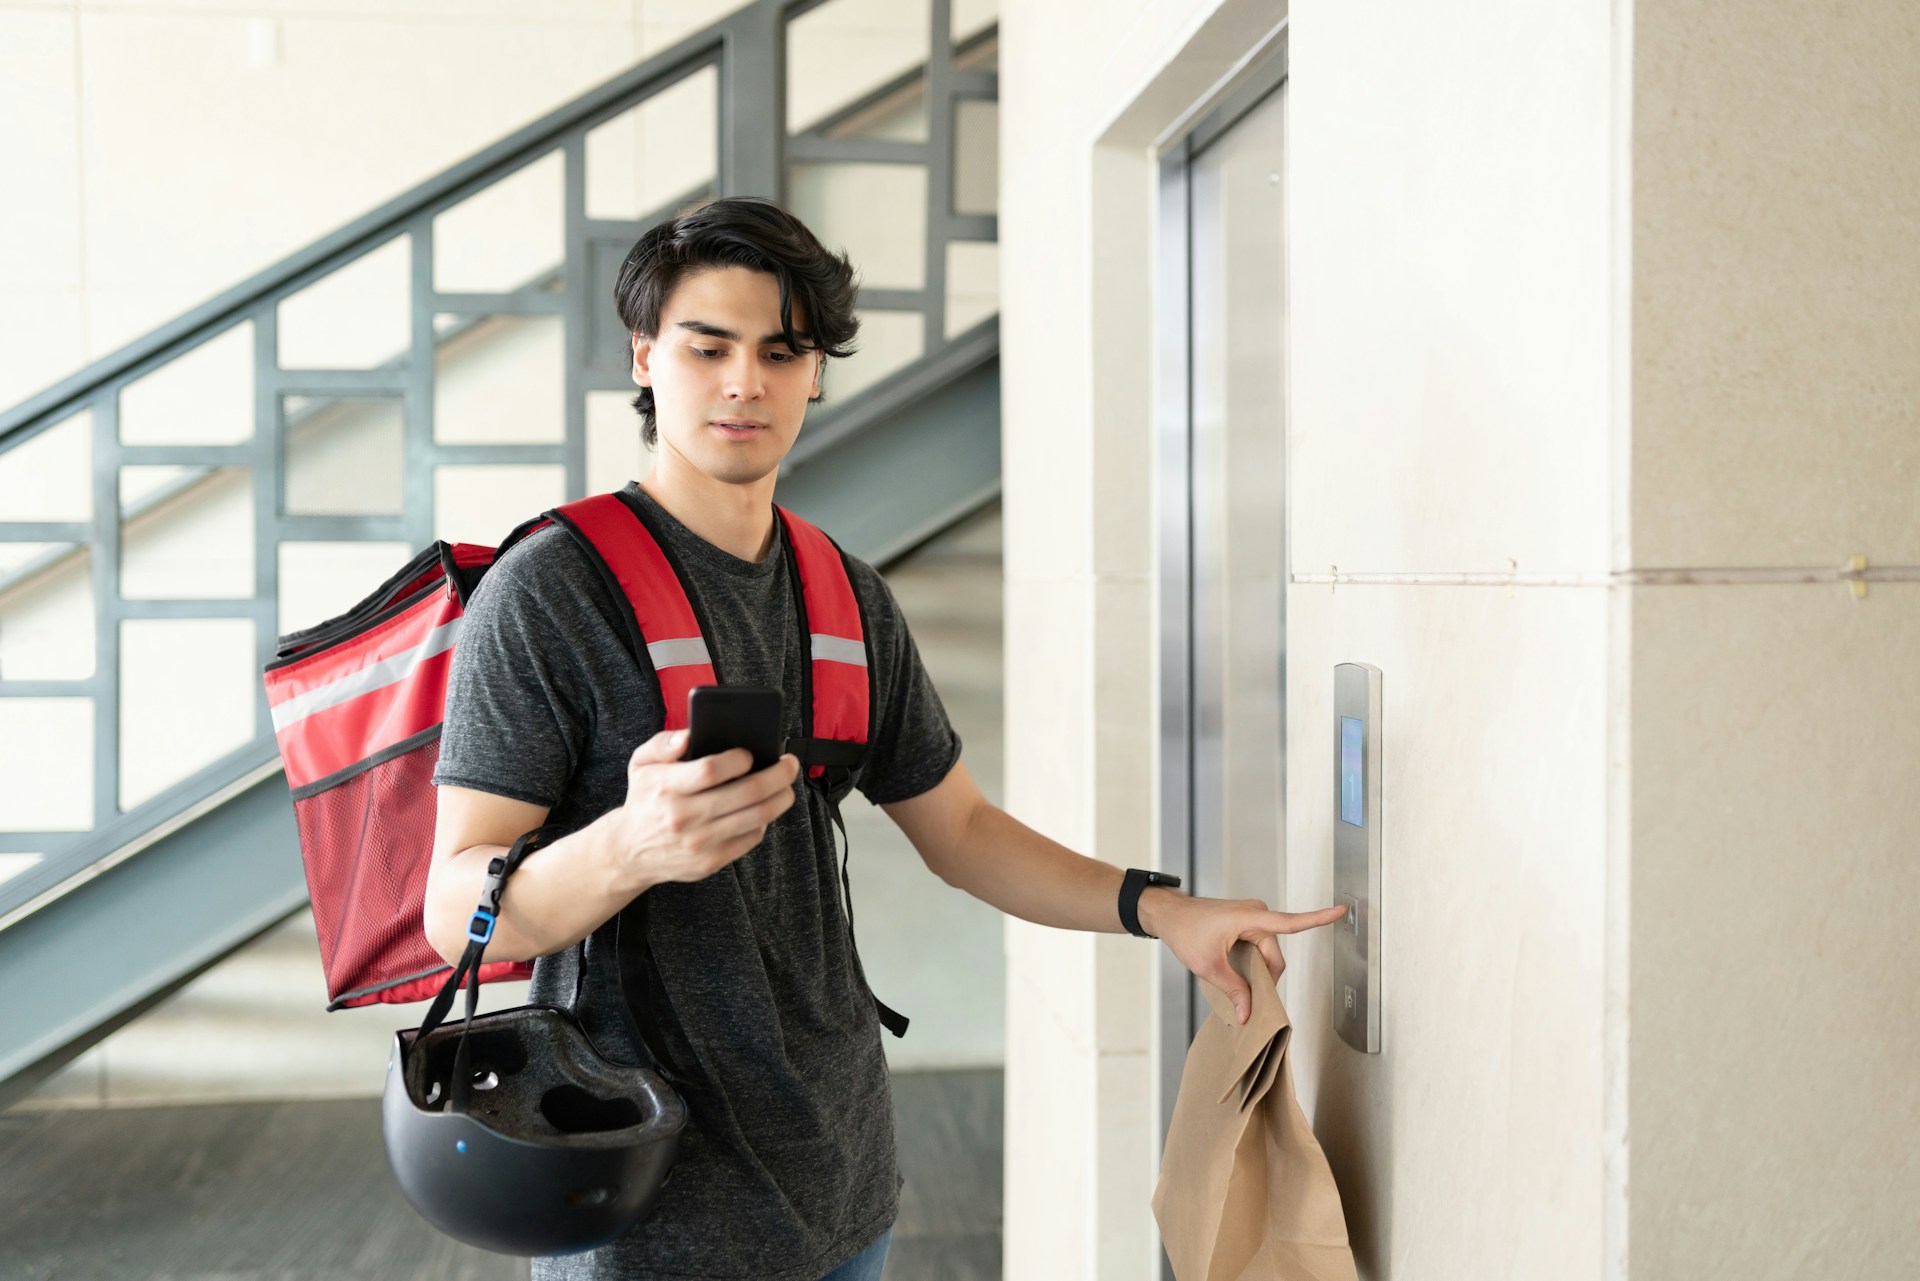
(559,895)
(1002,861)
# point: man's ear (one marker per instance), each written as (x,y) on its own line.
(818,366)
(642,361)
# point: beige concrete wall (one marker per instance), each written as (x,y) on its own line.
(1453,313)
(1453,363)
(1776,433)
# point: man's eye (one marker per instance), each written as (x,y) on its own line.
(714,353)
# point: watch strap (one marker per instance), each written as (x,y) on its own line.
(1136,880)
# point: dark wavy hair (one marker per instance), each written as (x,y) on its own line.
(739,231)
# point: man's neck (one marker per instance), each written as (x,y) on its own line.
(738,519)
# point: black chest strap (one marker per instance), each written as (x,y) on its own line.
(832,787)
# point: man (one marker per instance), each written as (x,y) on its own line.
(786,1170)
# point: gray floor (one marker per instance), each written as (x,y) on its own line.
(300,1192)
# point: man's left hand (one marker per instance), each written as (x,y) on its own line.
(1201,931)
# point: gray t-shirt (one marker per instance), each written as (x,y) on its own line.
(786,1167)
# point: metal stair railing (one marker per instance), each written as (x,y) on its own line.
(747,51)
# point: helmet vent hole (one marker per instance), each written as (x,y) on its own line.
(586,1197)
(571,1110)
(486,1079)
(433,1093)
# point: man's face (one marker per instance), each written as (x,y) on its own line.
(719,359)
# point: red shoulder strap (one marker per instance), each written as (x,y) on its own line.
(670,630)
(837,638)
(667,625)
(839,686)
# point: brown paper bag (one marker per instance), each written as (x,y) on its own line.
(1245,1193)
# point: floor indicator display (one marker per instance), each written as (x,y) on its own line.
(1356,854)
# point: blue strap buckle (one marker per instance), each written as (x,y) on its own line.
(480,928)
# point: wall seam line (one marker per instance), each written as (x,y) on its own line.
(1621,578)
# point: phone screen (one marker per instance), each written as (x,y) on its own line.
(1352,771)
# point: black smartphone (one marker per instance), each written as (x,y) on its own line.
(722,717)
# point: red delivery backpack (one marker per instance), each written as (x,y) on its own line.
(358,702)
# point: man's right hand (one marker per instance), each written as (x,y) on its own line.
(685,820)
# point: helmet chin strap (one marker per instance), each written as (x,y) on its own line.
(479,934)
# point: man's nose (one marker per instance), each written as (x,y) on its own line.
(744,379)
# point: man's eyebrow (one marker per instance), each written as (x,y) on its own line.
(715,331)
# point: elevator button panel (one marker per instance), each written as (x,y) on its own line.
(1356,854)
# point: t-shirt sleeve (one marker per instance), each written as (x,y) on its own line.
(516,715)
(914,745)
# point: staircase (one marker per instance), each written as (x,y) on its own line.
(148,833)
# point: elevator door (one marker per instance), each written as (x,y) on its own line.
(1221,513)
(1238,371)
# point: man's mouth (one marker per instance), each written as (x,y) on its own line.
(737,428)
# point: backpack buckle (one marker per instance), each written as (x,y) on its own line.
(836,783)
(832,777)
(480,927)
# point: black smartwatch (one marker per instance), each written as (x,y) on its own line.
(1137,880)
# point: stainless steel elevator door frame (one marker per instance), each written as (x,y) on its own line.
(1221,515)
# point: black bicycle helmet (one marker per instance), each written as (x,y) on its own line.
(511,1131)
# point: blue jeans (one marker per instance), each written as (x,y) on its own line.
(866,1265)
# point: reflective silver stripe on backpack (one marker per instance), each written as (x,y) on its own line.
(388,671)
(839,649)
(683,651)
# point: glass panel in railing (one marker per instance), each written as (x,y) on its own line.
(888,340)
(976,156)
(46,613)
(46,756)
(50,477)
(481,503)
(845,55)
(506,237)
(186,533)
(344,456)
(319,581)
(501,380)
(968,18)
(658,155)
(973,283)
(356,317)
(188,688)
(876,212)
(615,454)
(202,397)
